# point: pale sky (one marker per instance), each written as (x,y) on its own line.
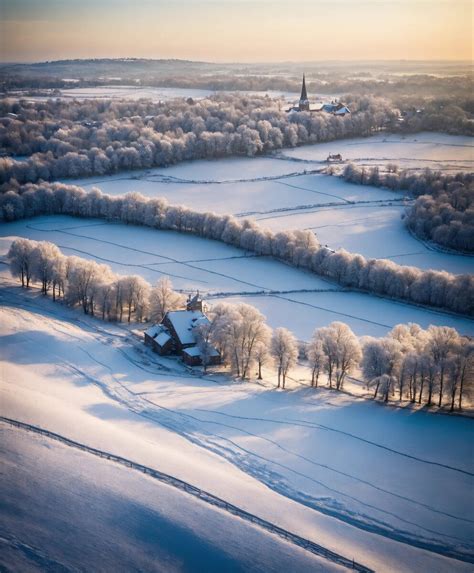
(236,30)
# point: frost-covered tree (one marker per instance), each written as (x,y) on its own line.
(164,299)
(379,362)
(21,259)
(284,348)
(263,356)
(442,342)
(45,257)
(315,355)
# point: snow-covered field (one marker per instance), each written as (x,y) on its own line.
(135,92)
(213,267)
(388,488)
(417,151)
(125,522)
(282,194)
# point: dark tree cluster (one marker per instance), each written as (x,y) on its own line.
(298,247)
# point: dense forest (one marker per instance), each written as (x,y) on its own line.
(82,138)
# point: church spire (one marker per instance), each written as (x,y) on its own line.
(304,102)
(304,95)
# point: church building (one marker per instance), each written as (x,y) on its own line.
(334,108)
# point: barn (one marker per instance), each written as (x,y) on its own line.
(175,335)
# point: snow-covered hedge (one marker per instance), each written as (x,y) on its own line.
(299,248)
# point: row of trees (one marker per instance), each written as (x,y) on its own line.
(426,182)
(417,364)
(444,209)
(90,285)
(409,363)
(299,248)
(82,138)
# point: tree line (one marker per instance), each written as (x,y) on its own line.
(94,137)
(444,209)
(409,363)
(298,247)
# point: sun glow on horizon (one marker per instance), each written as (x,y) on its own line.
(237,30)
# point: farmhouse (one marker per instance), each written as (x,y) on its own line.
(175,335)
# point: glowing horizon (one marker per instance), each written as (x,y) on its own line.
(237,30)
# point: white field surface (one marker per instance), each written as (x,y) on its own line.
(282,193)
(386,487)
(123,521)
(414,151)
(135,92)
(277,289)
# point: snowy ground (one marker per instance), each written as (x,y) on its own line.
(420,150)
(143,92)
(389,488)
(124,521)
(282,194)
(191,262)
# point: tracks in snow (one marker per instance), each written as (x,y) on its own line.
(201,494)
(193,428)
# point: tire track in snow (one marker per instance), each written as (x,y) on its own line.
(314,191)
(170,259)
(203,495)
(402,536)
(229,453)
(368,523)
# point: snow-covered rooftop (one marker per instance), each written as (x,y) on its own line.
(184,321)
(159,333)
(163,338)
(196,351)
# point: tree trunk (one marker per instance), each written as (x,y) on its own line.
(441,381)
(430,392)
(259,370)
(453,397)
(461,386)
(22,278)
(279,376)
(421,389)
(376,389)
